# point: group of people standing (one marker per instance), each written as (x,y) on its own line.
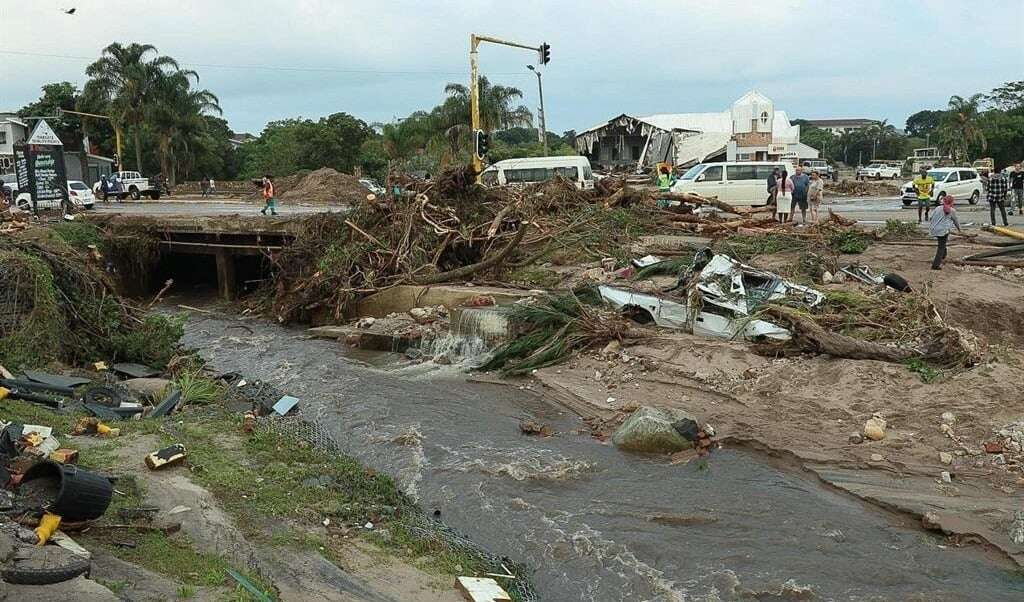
(799,190)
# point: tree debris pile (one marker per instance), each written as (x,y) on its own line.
(442,230)
(861,188)
(882,325)
(56,304)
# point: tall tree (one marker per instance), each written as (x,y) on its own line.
(176,112)
(923,124)
(127,75)
(960,129)
(498,110)
(1008,97)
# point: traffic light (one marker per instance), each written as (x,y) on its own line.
(483,141)
(545,53)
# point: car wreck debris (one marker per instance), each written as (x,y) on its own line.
(168,456)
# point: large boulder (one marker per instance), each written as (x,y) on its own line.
(652,430)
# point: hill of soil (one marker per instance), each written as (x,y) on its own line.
(324,186)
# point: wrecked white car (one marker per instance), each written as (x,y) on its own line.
(723,296)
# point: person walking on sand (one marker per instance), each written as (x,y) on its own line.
(205,186)
(268,196)
(1017,186)
(211,188)
(783,197)
(998,187)
(815,192)
(939,226)
(800,183)
(924,184)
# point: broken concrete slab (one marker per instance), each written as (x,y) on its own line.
(400,299)
(152,388)
(134,370)
(481,589)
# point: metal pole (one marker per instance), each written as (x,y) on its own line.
(543,123)
(474,98)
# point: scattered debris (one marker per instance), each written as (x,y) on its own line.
(168,456)
(529,427)
(652,430)
(285,405)
(481,589)
(874,428)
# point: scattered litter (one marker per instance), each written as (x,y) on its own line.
(62,539)
(168,404)
(168,456)
(56,379)
(530,427)
(946,477)
(285,404)
(135,370)
(646,260)
(481,589)
(874,428)
(90,425)
(249,586)
(178,510)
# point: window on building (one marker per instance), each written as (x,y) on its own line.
(635,152)
(615,153)
(3,137)
(764,117)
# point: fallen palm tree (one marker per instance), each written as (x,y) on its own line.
(552,328)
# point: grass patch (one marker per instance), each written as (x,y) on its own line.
(923,370)
(78,234)
(849,242)
(895,228)
(197,389)
(535,277)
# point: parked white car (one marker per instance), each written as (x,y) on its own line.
(80,195)
(736,183)
(963,183)
(879,171)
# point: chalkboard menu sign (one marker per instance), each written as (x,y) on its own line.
(41,172)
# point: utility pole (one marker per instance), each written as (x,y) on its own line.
(542,133)
(543,52)
(117,129)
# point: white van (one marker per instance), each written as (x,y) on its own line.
(540,169)
(736,183)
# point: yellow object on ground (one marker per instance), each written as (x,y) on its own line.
(4,392)
(47,526)
(1008,232)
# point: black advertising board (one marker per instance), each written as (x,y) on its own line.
(42,173)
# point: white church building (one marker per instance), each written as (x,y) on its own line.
(751,130)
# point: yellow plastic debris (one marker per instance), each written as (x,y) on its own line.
(47,526)
(4,392)
(1008,232)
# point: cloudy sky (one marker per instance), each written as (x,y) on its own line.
(380,60)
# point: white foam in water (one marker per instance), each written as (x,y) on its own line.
(475,333)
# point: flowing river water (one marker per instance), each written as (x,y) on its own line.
(596,524)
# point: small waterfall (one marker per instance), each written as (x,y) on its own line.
(473,334)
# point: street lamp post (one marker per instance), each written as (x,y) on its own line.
(542,133)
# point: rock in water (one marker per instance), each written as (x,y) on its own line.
(651,430)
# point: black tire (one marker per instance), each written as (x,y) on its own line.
(974,198)
(76,566)
(134,192)
(105,396)
(155,195)
(907,203)
(896,282)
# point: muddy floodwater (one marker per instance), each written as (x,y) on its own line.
(592,522)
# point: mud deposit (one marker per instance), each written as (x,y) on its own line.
(594,523)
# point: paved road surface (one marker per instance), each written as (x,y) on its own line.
(869,210)
(203,208)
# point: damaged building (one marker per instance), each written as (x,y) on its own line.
(751,130)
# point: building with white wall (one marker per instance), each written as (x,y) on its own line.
(750,130)
(12,131)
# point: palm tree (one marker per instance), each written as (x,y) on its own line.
(960,129)
(176,114)
(126,76)
(497,112)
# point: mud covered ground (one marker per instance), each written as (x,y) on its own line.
(804,409)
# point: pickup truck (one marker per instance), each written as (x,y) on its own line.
(877,171)
(825,170)
(128,184)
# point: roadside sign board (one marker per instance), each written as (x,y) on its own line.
(39,164)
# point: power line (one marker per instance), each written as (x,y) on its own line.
(268,67)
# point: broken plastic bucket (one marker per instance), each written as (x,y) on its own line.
(81,495)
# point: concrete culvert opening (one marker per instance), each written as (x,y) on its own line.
(224,275)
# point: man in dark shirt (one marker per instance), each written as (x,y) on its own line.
(800,183)
(772,179)
(998,186)
(1017,186)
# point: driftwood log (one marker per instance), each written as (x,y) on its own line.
(469,270)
